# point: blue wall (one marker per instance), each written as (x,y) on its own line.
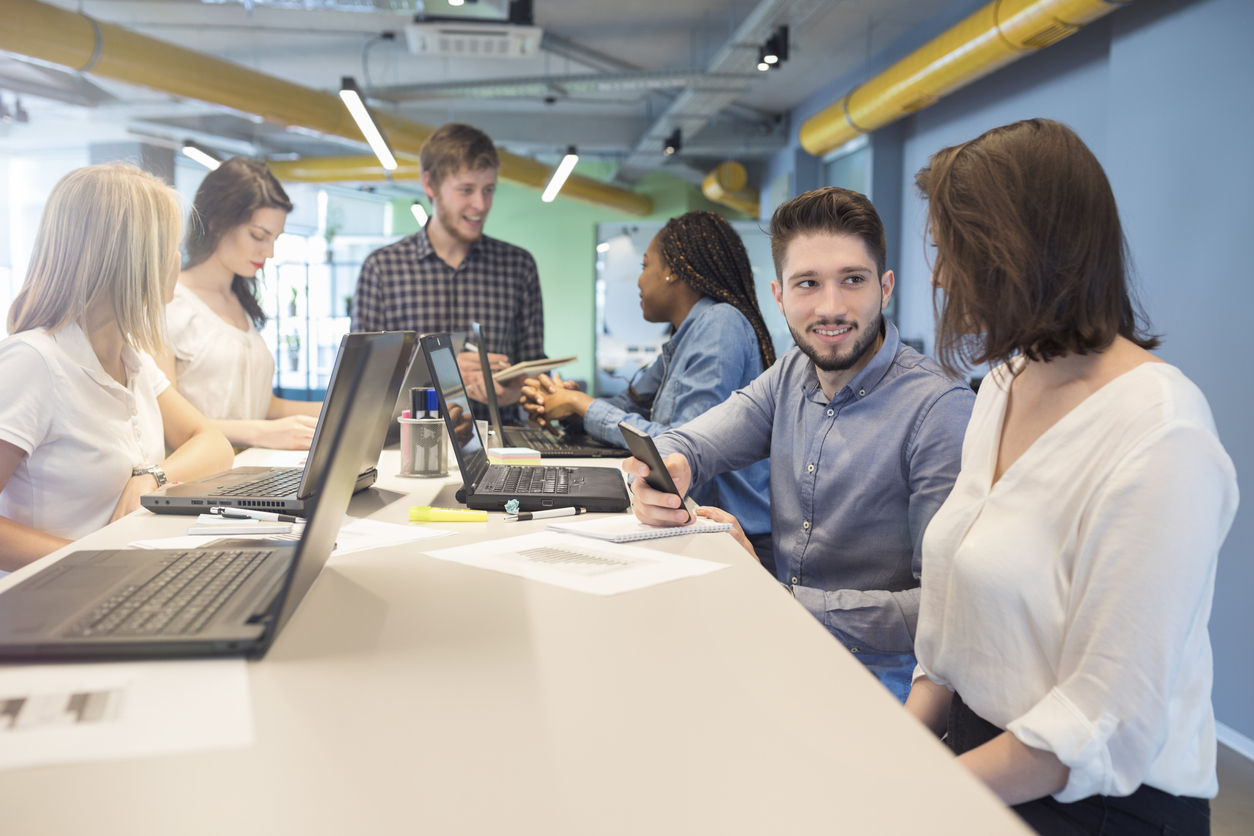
(1160,91)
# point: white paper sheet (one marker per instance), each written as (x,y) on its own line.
(75,713)
(578,563)
(355,535)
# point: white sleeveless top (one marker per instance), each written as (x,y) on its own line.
(224,372)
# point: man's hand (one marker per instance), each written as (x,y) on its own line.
(547,397)
(654,507)
(718,515)
(135,487)
(472,376)
(463,424)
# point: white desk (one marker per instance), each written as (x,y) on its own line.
(414,695)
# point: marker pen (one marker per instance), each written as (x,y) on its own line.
(245,514)
(425,513)
(523,516)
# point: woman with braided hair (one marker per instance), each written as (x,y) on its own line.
(696,276)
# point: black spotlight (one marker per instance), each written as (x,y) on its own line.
(673,143)
(775,52)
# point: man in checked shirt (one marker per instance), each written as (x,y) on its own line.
(449,273)
(863,432)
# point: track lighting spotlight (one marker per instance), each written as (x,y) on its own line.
(673,143)
(775,52)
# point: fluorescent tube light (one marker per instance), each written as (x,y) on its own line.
(603,247)
(420,214)
(564,168)
(353,101)
(201,157)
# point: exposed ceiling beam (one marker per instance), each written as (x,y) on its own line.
(693,109)
(542,85)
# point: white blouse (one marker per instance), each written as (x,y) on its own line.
(81,430)
(1068,602)
(226,373)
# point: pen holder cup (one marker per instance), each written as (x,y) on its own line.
(424,447)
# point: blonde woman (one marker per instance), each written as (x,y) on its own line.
(86,415)
(218,360)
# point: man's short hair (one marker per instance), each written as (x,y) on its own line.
(830,210)
(454,147)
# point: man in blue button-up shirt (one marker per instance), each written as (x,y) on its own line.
(864,436)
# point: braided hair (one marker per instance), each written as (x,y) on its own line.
(704,251)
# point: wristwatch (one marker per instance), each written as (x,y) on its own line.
(156,472)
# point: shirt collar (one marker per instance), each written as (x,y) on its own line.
(865,381)
(422,243)
(73,341)
(673,343)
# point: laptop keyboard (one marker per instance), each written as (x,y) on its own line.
(526,480)
(537,440)
(179,600)
(283,483)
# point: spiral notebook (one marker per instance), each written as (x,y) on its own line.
(626,528)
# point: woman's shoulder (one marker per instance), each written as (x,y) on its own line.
(726,321)
(34,349)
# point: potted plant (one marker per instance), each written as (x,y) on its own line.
(334,223)
(348,305)
(293,351)
(291,302)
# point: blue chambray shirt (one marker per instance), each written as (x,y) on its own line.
(854,481)
(713,353)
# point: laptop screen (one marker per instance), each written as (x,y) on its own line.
(494,410)
(471,457)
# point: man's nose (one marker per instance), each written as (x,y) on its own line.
(831,302)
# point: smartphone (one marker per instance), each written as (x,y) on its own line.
(642,447)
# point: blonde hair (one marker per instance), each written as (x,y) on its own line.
(108,233)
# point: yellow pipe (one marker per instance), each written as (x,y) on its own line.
(996,35)
(64,37)
(726,185)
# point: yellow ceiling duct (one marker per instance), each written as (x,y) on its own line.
(726,185)
(996,35)
(82,43)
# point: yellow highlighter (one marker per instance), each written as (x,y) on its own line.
(425,513)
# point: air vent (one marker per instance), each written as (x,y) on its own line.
(473,41)
(1050,34)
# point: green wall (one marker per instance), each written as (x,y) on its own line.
(562,237)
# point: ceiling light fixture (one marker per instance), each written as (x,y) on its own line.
(775,52)
(564,168)
(420,214)
(603,247)
(673,143)
(352,99)
(200,155)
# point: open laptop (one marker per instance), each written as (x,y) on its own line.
(229,597)
(290,489)
(566,446)
(418,376)
(488,486)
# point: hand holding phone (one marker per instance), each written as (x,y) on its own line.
(649,506)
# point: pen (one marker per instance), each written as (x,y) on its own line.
(245,514)
(523,516)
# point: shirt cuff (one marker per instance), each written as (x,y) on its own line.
(601,422)
(1055,725)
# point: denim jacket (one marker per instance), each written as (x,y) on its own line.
(714,353)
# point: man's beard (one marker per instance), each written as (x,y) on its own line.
(442,218)
(835,361)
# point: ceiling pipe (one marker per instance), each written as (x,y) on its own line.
(84,44)
(725,185)
(998,34)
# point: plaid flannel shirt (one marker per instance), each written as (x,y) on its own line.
(407,287)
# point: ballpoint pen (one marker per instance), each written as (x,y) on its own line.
(523,516)
(246,514)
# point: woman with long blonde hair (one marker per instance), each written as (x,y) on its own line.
(86,416)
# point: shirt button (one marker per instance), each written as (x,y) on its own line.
(810,469)
(138,432)
(862,393)
(830,413)
(853,650)
(794,580)
(806,525)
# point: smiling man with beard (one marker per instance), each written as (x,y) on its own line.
(864,435)
(449,273)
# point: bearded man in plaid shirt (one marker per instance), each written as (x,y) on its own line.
(449,273)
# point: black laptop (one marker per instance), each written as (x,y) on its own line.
(230,597)
(489,486)
(568,445)
(290,489)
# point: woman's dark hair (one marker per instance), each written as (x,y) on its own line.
(227,197)
(704,251)
(1030,253)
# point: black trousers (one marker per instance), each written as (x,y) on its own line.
(765,549)
(1146,811)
